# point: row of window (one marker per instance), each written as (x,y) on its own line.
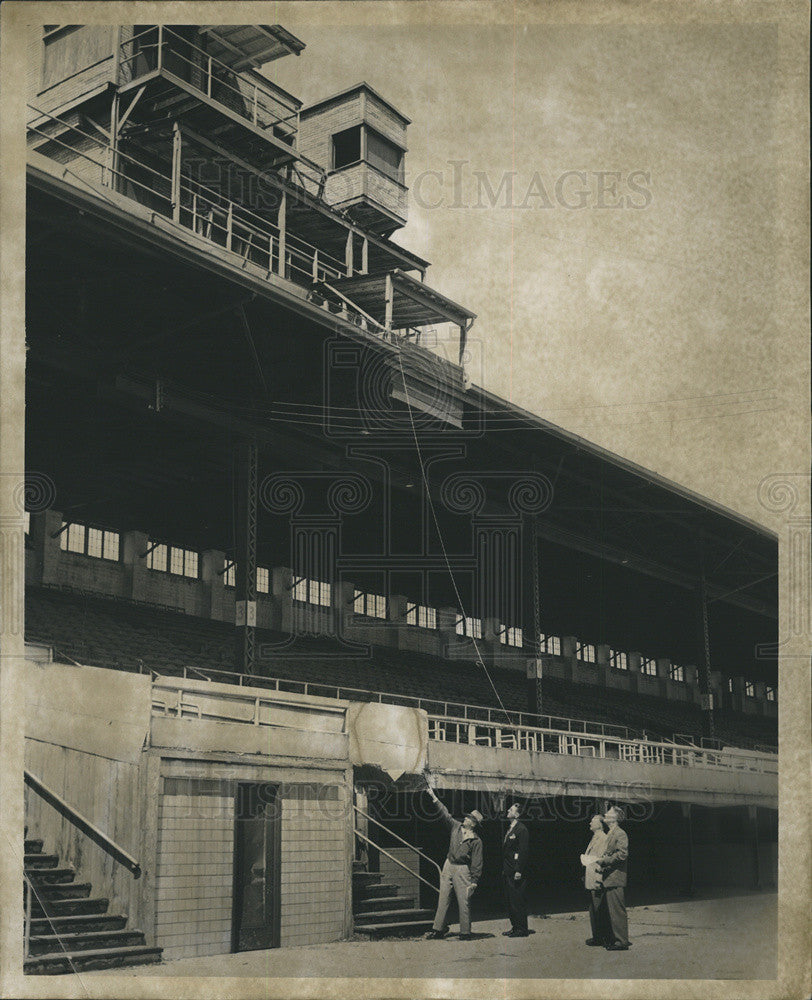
(100,543)
(750,689)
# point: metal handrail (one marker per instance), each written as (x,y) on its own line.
(73,816)
(397,862)
(392,833)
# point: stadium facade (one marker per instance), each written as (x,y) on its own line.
(282,556)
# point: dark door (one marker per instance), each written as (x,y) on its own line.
(257,821)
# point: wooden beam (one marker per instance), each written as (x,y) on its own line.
(390,300)
(365,256)
(131,105)
(348,254)
(176,158)
(281,221)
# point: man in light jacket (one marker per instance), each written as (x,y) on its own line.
(461,871)
(593,884)
(613,867)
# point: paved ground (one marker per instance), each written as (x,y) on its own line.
(732,938)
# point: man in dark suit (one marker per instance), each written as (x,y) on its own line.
(612,867)
(515,850)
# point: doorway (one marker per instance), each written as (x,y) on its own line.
(257,826)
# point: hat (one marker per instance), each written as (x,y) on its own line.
(475,815)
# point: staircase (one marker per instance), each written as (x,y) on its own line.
(71,930)
(379,909)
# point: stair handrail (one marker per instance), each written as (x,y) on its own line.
(406,843)
(73,816)
(391,857)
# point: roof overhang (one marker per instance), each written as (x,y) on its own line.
(241,46)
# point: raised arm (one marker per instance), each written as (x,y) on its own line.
(445,815)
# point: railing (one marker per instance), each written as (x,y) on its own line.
(75,818)
(550,740)
(160,48)
(391,857)
(203,210)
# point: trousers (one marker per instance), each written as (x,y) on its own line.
(516,893)
(598,917)
(616,910)
(456,878)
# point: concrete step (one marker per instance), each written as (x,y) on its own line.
(47,944)
(104,958)
(40,860)
(64,890)
(403,928)
(392,916)
(382,903)
(50,875)
(83,922)
(360,892)
(33,846)
(69,907)
(366,878)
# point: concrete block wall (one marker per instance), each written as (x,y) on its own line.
(195,871)
(315,863)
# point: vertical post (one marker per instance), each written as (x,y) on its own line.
(689,845)
(254,115)
(752,820)
(208,80)
(160,47)
(365,256)
(463,338)
(229,225)
(315,265)
(246,556)
(113,157)
(348,253)
(390,299)
(703,644)
(28,894)
(281,222)
(176,158)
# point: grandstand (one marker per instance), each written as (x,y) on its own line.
(278,525)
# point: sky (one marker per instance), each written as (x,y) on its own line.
(633,288)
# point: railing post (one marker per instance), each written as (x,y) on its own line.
(254,116)
(160,46)
(282,225)
(229,225)
(315,265)
(208,80)
(28,905)
(176,159)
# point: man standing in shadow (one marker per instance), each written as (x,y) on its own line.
(592,883)
(515,850)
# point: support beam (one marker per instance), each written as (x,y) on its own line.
(349,254)
(703,648)
(463,338)
(390,301)
(113,147)
(246,556)
(130,107)
(281,221)
(177,144)
(365,256)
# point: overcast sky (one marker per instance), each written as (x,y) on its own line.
(652,328)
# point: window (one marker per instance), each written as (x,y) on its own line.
(311,592)
(417,614)
(511,635)
(648,666)
(618,660)
(550,644)
(156,556)
(263,580)
(183,562)
(99,543)
(230,575)
(769,693)
(347,147)
(730,684)
(749,689)
(371,605)
(384,156)
(676,672)
(585,652)
(471,627)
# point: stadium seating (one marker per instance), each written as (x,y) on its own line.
(110,632)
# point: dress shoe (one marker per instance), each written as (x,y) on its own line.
(434,935)
(510,933)
(617,947)
(593,943)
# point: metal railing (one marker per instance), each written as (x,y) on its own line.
(75,818)
(391,857)
(160,48)
(540,739)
